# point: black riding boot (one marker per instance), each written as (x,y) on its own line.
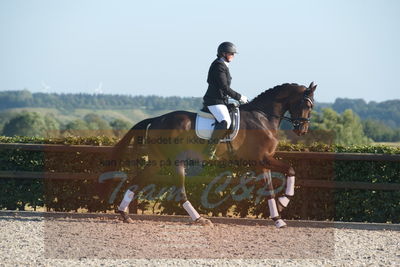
(220,130)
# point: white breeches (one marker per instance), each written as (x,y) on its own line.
(221,113)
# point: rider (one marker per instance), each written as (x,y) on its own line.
(216,97)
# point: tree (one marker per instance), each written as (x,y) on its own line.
(347,128)
(31,124)
(120,127)
(380,132)
(76,125)
(95,122)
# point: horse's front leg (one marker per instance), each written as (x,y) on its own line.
(273,209)
(276,165)
(194,215)
(284,198)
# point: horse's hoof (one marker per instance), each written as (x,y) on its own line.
(280,223)
(128,220)
(125,217)
(204,221)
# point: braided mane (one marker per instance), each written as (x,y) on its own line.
(270,95)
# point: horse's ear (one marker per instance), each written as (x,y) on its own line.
(312,87)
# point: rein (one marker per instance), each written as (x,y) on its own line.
(289,119)
(295,121)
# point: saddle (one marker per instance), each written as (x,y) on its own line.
(205,123)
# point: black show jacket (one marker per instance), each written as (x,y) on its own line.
(219,81)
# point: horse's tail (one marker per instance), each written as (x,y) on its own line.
(137,130)
(140,126)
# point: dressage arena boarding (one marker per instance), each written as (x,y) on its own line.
(30,238)
(65,239)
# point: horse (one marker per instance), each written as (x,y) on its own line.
(256,140)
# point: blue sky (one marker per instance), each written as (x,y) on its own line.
(349,48)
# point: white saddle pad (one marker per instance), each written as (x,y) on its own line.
(205,125)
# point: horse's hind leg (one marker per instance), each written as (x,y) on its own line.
(123,206)
(130,193)
(194,215)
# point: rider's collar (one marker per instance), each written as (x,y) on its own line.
(223,60)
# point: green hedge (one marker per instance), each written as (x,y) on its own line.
(308,203)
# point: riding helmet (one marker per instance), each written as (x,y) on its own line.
(226,47)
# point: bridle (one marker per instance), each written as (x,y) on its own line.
(296,122)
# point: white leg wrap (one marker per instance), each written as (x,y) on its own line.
(284,201)
(191,211)
(290,186)
(126,201)
(273,210)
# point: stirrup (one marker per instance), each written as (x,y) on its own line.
(211,154)
(210,150)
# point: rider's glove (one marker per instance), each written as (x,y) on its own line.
(243,100)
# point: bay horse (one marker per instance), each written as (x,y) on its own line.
(256,140)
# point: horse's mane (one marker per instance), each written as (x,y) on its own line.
(270,95)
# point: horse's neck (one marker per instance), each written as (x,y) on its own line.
(276,110)
(272,107)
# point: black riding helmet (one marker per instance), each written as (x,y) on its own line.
(226,47)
